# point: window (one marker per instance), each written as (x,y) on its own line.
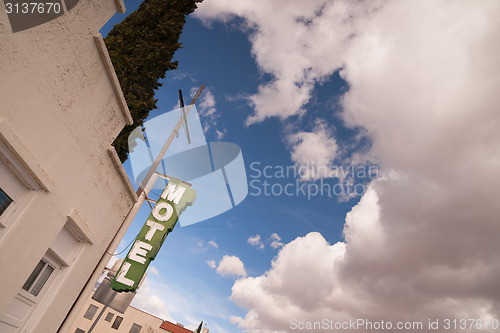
(135,328)
(91,311)
(38,277)
(5,201)
(16,192)
(79,330)
(21,176)
(109,316)
(34,295)
(118,321)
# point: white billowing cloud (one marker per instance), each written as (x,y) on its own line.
(153,270)
(211,264)
(423,84)
(314,152)
(207,103)
(208,113)
(213,244)
(362,227)
(220,134)
(276,244)
(231,266)
(298,42)
(305,280)
(276,241)
(255,242)
(148,299)
(275,236)
(188,302)
(300,284)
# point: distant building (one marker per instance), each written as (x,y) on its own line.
(118,315)
(175,328)
(63,192)
(132,320)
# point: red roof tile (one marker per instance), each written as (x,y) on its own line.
(174,328)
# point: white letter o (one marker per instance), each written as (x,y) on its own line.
(168,213)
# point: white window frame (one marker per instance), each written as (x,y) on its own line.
(53,262)
(7,197)
(18,206)
(85,235)
(20,161)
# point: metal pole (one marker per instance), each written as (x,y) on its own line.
(147,143)
(102,311)
(167,145)
(181,102)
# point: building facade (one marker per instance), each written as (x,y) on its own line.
(104,312)
(132,320)
(63,192)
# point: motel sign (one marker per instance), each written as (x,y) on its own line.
(175,198)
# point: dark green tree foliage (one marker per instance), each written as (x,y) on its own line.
(141,48)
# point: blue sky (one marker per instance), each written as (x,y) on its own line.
(219,57)
(299,84)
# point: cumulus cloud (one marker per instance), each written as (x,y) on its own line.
(299,285)
(276,241)
(189,302)
(276,244)
(423,82)
(147,299)
(255,242)
(314,152)
(298,49)
(153,270)
(211,264)
(231,266)
(207,103)
(213,244)
(299,43)
(208,113)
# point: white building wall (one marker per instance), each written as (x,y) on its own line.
(60,109)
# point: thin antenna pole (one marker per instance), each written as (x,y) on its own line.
(167,144)
(147,143)
(181,102)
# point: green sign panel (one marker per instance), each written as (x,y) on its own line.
(172,202)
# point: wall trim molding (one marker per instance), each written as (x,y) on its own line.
(114,79)
(120,5)
(23,156)
(83,232)
(123,175)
